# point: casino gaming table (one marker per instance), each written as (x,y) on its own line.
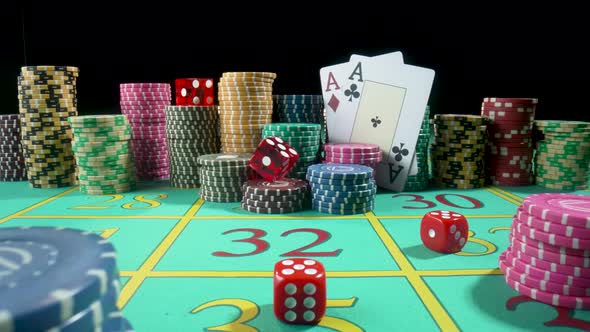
(191,265)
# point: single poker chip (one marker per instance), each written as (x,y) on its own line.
(280,187)
(270,210)
(566,209)
(69,271)
(336,182)
(340,171)
(342,211)
(353,188)
(224,159)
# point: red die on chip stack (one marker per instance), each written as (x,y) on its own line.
(194,91)
(510,142)
(273,158)
(299,291)
(444,231)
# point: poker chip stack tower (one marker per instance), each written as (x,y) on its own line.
(47,97)
(144,104)
(547,259)
(458,151)
(245,106)
(222,176)
(510,142)
(281,196)
(562,157)
(300,109)
(303,137)
(421,180)
(103,151)
(353,153)
(12,160)
(191,131)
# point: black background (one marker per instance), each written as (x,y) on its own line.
(487,52)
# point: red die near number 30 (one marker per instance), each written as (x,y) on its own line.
(194,91)
(444,231)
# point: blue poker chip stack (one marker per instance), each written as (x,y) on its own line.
(58,279)
(342,188)
(300,109)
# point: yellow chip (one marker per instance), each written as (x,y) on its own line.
(246,74)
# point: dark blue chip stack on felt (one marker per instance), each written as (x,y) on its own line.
(300,108)
(60,280)
(12,159)
(342,188)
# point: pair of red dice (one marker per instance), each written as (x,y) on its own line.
(273,158)
(194,91)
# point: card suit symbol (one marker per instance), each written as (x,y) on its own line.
(376,121)
(351,92)
(334,102)
(400,152)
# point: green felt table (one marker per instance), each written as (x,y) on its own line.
(190,265)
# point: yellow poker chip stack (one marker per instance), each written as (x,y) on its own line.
(245,106)
(47,97)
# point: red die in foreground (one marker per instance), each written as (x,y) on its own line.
(273,158)
(444,231)
(194,91)
(299,291)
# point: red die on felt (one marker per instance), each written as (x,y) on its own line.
(444,231)
(194,91)
(273,158)
(299,291)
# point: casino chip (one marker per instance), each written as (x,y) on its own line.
(144,105)
(222,176)
(562,157)
(104,154)
(458,151)
(281,196)
(510,148)
(421,180)
(301,109)
(191,131)
(353,153)
(245,106)
(303,137)
(47,97)
(549,257)
(63,280)
(12,159)
(342,188)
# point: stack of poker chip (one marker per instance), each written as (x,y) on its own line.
(342,188)
(352,153)
(510,142)
(144,104)
(245,106)
(191,131)
(222,176)
(69,283)
(303,137)
(300,109)
(547,259)
(47,97)
(458,151)
(562,158)
(103,151)
(12,160)
(281,196)
(420,180)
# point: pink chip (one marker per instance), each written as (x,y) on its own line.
(550,238)
(552,227)
(549,247)
(582,303)
(351,148)
(566,209)
(574,271)
(143,86)
(549,256)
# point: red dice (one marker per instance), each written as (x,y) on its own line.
(273,159)
(444,231)
(299,291)
(194,91)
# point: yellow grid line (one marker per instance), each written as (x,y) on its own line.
(501,195)
(150,263)
(34,206)
(437,311)
(507,193)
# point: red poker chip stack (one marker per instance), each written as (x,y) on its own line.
(144,105)
(548,258)
(510,142)
(352,153)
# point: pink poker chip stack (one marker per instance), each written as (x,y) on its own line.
(548,258)
(144,105)
(510,141)
(352,153)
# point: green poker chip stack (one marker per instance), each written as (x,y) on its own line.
(104,155)
(303,137)
(420,180)
(562,157)
(222,176)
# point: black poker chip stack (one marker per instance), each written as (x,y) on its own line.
(12,160)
